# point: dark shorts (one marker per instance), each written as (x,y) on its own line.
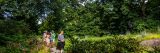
(60,45)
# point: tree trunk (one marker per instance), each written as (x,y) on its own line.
(143,8)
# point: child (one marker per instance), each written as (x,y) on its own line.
(44,35)
(47,39)
(52,40)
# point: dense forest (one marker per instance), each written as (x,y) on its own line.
(22,22)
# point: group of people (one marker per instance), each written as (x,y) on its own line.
(49,40)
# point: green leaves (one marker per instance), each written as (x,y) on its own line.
(14,27)
(89,18)
(109,45)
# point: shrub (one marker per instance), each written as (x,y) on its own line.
(146,24)
(11,27)
(110,45)
(19,43)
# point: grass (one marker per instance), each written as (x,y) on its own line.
(44,49)
(97,38)
(151,36)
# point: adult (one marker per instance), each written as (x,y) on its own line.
(61,42)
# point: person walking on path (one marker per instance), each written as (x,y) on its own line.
(61,42)
(52,40)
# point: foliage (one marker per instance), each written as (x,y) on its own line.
(84,17)
(19,43)
(81,18)
(51,23)
(148,24)
(109,17)
(14,27)
(110,45)
(151,36)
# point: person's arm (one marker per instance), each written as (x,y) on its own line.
(62,40)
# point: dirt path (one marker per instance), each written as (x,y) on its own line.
(152,44)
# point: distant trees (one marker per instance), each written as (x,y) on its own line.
(84,17)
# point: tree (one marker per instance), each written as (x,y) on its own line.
(26,10)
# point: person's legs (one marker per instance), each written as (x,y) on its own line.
(61,50)
(63,43)
(53,48)
(58,51)
(62,47)
(58,47)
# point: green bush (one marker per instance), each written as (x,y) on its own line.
(110,45)
(146,24)
(11,27)
(18,43)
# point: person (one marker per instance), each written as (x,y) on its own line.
(61,42)
(44,35)
(52,41)
(47,39)
(53,35)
